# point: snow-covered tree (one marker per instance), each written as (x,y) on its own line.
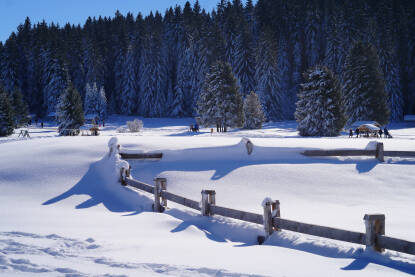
(95,102)
(91,97)
(253,114)
(319,109)
(69,111)
(129,88)
(267,77)
(6,114)
(20,109)
(53,80)
(102,104)
(364,93)
(220,102)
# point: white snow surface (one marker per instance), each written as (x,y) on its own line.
(64,213)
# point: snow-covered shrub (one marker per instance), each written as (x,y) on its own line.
(135,126)
(122,130)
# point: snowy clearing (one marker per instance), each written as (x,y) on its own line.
(64,214)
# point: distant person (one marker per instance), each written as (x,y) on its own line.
(357,132)
(350,133)
(41,124)
(380,132)
(211,131)
(387,134)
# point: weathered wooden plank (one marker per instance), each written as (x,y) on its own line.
(339,152)
(320,231)
(399,153)
(399,245)
(139,185)
(241,215)
(132,156)
(181,200)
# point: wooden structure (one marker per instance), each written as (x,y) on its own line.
(24,134)
(378,153)
(374,237)
(140,156)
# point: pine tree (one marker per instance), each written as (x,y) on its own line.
(220,102)
(129,92)
(53,80)
(6,115)
(319,109)
(91,97)
(253,114)
(267,77)
(69,111)
(102,104)
(364,93)
(20,109)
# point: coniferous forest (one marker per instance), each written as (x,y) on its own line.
(155,66)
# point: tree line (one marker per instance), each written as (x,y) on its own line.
(157,65)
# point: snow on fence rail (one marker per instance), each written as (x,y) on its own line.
(379,153)
(374,237)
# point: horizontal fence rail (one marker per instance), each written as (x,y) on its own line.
(319,231)
(236,214)
(181,200)
(399,153)
(374,237)
(379,153)
(339,152)
(399,245)
(132,156)
(139,185)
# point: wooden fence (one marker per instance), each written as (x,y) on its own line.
(378,153)
(373,238)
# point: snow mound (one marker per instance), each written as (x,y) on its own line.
(266,200)
(371,145)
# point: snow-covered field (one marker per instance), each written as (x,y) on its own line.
(62,212)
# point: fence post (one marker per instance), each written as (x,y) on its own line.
(124,173)
(268,219)
(163,182)
(375,225)
(379,152)
(157,207)
(275,211)
(208,199)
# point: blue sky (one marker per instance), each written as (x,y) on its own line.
(14,12)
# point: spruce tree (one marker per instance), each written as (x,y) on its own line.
(220,102)
(6,115)
(102,104)
(69,111)
(364,93)
(319,109)
(20,109)
(253,114)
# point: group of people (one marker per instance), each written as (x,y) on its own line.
(378,133)
(29,122)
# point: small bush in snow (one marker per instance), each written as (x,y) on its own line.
(122,130)
(135,126)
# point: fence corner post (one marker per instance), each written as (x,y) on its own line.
(158,207)
(379,152)
(375,225)
(208,200)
